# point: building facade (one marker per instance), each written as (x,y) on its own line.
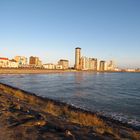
(64,63)
(103,66)
(58,67)
(35,62)
(84,61)
(49,66)
(111,66)
(77,58)
(13,64)
(88,63)
(4,62)
(22,60)
(93,64)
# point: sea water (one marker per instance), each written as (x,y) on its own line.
(115,95)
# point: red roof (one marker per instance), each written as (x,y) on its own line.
(3,58)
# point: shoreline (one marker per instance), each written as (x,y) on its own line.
(46,71)
(72,115)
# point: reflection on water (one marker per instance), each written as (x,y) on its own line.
(117,94)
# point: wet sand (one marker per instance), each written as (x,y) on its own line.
(25,116)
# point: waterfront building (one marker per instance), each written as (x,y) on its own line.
(64,63)
(13,64)
(4,62)
(84,61)
(98,65)
(88,63)
(22,61)
(35,62)
(111,66)
(77,58)
(130,70)
(49,66)
(58,67)
(93,64)
(103,66)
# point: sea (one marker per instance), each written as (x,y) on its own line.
(114,95)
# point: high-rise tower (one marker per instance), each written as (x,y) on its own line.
(77,58)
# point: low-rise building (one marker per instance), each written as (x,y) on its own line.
(4,62)
(49,66)
(35,62)
(58,67)
(22,61)
(64,63)
(13,64)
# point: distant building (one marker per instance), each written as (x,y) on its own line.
(13,64)
(84,61)
(4,62)
(130,70)
(88,63)
(93,64)
(22,60)
(49,66)
(111,66)
(77,58)
(35,62)
(98,65)
(58,67)
(64,63)
(103,66)
(117,69)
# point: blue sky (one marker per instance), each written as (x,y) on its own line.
(51,29)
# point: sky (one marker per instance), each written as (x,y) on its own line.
(51,29)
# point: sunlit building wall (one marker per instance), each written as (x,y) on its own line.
(64,63)
(92,64)
(58,67)
(22,60)
(77,58)
(13,64)
(49,66)
(84,63)
(111,66)
(98,65)
(103,66)
(35,62)
(4,62)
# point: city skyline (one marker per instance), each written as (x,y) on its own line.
(51,29)
(82,63)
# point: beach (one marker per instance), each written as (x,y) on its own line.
(47,71)
(25,116)
(30,71)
